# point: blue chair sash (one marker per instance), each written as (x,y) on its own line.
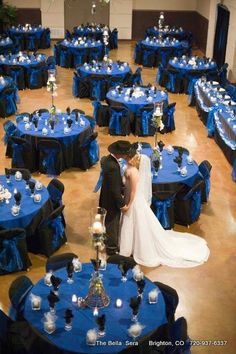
(55,194)
(161,210)
(196,205)
(145,119)
(96,106)
(191,84)
(63,58)
(49,161)
(10,130)
(10,259)
(17,155)
(146,55)
(31,43)
(35,76)
(93,152)
(75,86)
(170,118)
(210,121)
(97,89)
(58,229)
(10,103)
(115,123)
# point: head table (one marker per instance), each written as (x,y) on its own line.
(118,320)
(69,140)
(29,208)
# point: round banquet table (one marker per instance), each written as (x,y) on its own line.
(185,64)
(178,33)
(89,31)
(6,45)
(90,50)
(116,99)
(101,69)
(168,176)
(37,32)
(29,209)
(118,320)
(69,141)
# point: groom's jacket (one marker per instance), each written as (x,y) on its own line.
(111,192)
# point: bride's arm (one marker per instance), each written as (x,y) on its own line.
(132,175)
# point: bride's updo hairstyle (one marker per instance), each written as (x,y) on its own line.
(134,157)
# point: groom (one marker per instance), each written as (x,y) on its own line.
(111,196)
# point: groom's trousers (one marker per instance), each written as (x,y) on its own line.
(112,223)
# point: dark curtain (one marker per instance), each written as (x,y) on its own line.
(221,34)
(1,26)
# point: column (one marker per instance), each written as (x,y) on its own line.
(121,17)
(53,17)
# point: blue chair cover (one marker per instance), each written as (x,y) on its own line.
(75,86)
(97,88)
(191,84)
(79,56)
(161,210)
(165,56)
(159,74)
(48,39)
(196,205)
(10,259)
(59,230)
(146,57)
(10,103)
(114,122)
(93,152)
(63,58)
(35,77)
(15,74)
(145,119)
(49,161)
(170,123)
(99,182)
(10,130)
(55,194)
(96,106)
(17,155)
(210,121)
(31,43)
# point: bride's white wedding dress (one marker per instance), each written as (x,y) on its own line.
(142,235)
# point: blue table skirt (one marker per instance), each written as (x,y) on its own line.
(36,32)
(28,207)
(135,104)
(169,173)
(65,139)
(103,71)
(73,48)
(117,319)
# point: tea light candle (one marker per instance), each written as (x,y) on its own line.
(36,303)
(97,227)
(152,296)
(95,311)
(74,298)
(138,276)
(119,303)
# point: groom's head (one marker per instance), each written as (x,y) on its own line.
(120,148)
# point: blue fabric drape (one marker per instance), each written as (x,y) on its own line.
(17,155)
(10,259)
(31,43)
(115,123)
(210,121)
(221,34)
(145,119)
(75,86)
(10,130)
(49,161)
(58,229)
(161,211)
(170,124)
(97,89)
(93,152)
(10,103)
(196,205)
(96,106)
(35,77)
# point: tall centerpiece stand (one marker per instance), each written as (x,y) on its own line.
(156,157)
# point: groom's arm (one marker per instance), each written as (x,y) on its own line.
(113,180)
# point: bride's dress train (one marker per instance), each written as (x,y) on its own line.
(143,236)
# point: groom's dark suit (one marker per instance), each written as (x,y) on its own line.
(112,200)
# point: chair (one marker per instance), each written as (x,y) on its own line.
(45,41)
(95,54)
(138,53)
(35,77)
(26,175)
(80,86)
(31,42)
(56,189)
(65,59)
(162,76)
(179,334)
(231,90)
(18,42)
(163,208)
(113,39)
(114,81)
(68,34)
(222,74)
(13,251)
(50,157)
(165,55)
(56,53)
(148,57)
(59,261)
(171,299)
(5,324)
(92,121)
(175,83)
(119,123)
(16,72)
(8,102)
(187,208)
(168,117)
(191,78)
(50,235)
(23,154)
(117,259)
(88,152)
(101,113)
(98,87)
(79,56)
(204,171)
(10,130)
(184,150)
(18,291)
(135,79)
(143,121)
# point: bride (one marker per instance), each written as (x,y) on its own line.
(141,234)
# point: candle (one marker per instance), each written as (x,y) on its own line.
(91,337)
(97,227)
(47,279)
(152,296)
(49,327)
(138,276)
(74,298)
(95,311)
(98,217)
(119,303)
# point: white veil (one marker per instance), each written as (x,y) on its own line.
(145,178)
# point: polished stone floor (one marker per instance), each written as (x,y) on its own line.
(206,293)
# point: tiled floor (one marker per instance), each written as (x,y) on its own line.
(207,293)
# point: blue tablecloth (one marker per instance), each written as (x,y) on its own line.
(6,45)
(183,65)
(25,62)
(169,172)
(88,31)
(37,31)
(117,319)
(28,207)
(101,69)
(135,103)
(161,44)
(75,44)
